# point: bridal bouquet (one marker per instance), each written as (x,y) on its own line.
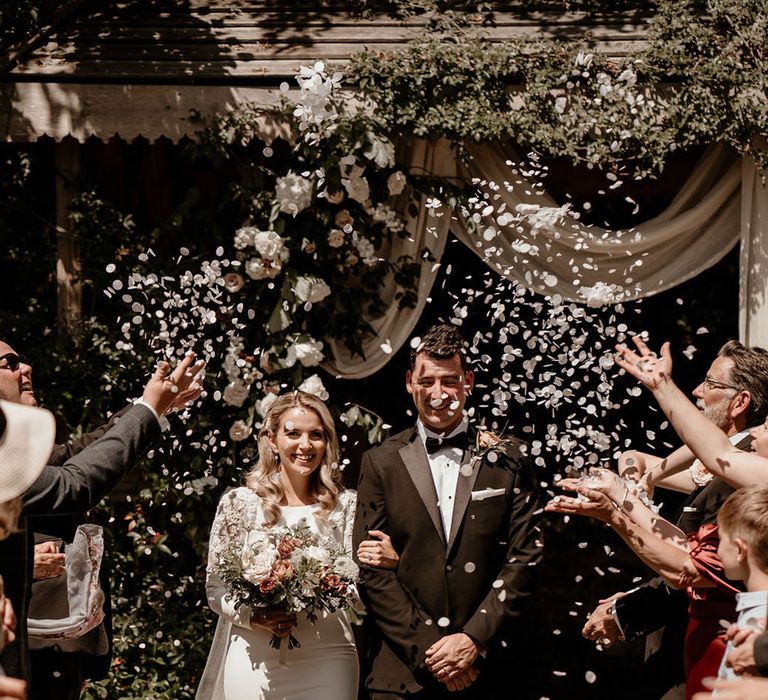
(292,568)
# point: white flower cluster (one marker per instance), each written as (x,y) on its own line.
(305,350)
(365,248)
(383,213)
(314,385)
(316,91)
(293,192)
(270,247)
(354,182)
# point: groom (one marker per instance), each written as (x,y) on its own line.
(461,517)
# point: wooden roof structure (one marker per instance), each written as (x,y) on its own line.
(141,67)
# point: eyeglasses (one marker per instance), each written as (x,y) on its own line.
(710,383)
(11,361)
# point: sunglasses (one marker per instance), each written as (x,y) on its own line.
(11,361)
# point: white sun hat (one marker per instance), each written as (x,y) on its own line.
(26,440)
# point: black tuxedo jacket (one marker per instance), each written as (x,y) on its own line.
(473,579)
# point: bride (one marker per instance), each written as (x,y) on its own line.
(294,479)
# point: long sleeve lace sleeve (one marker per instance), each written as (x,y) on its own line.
(349,519)
(228,530)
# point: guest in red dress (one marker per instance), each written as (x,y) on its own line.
(705,640)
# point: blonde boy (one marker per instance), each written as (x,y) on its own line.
(743,550)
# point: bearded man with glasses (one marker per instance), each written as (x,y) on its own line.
(734,396)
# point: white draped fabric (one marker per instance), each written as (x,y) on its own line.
(528,239)
(753,288)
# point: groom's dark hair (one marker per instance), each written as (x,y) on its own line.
(441,342)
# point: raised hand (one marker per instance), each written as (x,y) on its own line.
(167,391)
(589,502)
(652,371)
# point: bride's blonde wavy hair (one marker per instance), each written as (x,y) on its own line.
(264,478)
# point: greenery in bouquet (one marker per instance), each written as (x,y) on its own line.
(290,568)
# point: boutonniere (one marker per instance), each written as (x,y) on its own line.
(487,445)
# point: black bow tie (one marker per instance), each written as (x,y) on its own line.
(434,444)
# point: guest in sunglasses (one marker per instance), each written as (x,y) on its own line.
(76,478)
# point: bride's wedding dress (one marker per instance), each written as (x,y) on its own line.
(242,665)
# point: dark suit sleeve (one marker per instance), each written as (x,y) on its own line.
(761,654)
(61,453)
(398,615)
(83,480)
(524,552)
(647,608)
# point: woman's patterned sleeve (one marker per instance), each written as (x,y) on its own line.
(228,533)
(349,518)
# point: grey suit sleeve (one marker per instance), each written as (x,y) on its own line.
(84,479)
(61,453)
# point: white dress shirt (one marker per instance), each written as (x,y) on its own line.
(444,464)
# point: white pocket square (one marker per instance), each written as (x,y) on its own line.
(487,493)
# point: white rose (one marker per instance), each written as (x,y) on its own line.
(244,237)
(258,269)
(381,151)
(269,245)
(235,394)
(294,193)
(336,238)
(317,554)
(311,289)
(239,431)
(396,183)
(257,562)
(346,567)
(358,189)
(309,352)
(314,385)
(264,404)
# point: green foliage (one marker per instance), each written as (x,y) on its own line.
(701,79)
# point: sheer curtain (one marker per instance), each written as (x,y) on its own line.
(551,252)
